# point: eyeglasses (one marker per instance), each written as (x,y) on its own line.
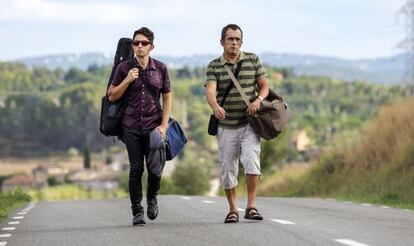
(143,42)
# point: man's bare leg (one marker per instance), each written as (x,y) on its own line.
(231,199)
(233,215)
(253,214)
(251,181)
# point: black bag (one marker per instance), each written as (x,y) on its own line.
(212,125)
(111,112)
(213,121)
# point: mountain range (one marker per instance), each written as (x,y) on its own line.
(384,70)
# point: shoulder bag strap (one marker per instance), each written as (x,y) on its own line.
(237,84)
(226,93)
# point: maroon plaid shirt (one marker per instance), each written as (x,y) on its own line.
(141,111)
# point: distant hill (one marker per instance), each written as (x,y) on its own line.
(386,70)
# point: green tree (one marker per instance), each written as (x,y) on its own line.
(189,178)
(76,75)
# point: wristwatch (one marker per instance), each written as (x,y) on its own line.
(260,98)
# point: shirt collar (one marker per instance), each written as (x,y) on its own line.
(241,57)
(151,64)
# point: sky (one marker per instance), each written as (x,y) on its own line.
(350,29)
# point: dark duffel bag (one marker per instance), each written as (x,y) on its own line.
(271,118)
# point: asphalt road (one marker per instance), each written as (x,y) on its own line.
(196,220)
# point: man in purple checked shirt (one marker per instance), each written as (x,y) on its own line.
(141,115)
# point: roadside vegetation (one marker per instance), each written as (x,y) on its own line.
(10,201)
(71,192)
(378,168)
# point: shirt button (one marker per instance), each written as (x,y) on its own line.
(142,101)
(143,93)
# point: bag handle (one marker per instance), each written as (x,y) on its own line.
(237,84)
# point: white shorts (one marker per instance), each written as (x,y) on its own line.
(238,144)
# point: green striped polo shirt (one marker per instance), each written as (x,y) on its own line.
(234,105)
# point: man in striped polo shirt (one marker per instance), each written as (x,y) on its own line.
(236,139)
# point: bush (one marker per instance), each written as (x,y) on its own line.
(11,200)
(378,168)
(167,186)
(189,178)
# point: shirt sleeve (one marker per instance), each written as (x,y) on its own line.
(211,75)
(119,74)
(166,85)
(260,71)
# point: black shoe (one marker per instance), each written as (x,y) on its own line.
(139,218)
(152,208)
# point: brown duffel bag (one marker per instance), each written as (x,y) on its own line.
(272,115)
(271,118)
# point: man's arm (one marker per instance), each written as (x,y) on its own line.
(166,111)
(263,86)
(116,92)
(211,87)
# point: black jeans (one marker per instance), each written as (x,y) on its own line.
(137,143)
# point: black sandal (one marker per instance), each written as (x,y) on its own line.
(232,217)
(252,214)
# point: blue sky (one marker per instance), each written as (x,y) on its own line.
(340,28)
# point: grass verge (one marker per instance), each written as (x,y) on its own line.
(9,201)
(71,192)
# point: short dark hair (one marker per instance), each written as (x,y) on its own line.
(230,26)
(146,32)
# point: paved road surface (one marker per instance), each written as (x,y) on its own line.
(196,220)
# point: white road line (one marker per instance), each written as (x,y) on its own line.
(5,235)
(186,198)
(366,204)
(385,207)
(14,222)
(350,242)
(284,222)
(18,217)
(29,207)
(407,210)
(240,210)
(22,213)
(3,243)
(9,229)
(207,201)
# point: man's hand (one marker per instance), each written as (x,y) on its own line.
(219,112)
(163,131)
(254,107)
(132,75)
